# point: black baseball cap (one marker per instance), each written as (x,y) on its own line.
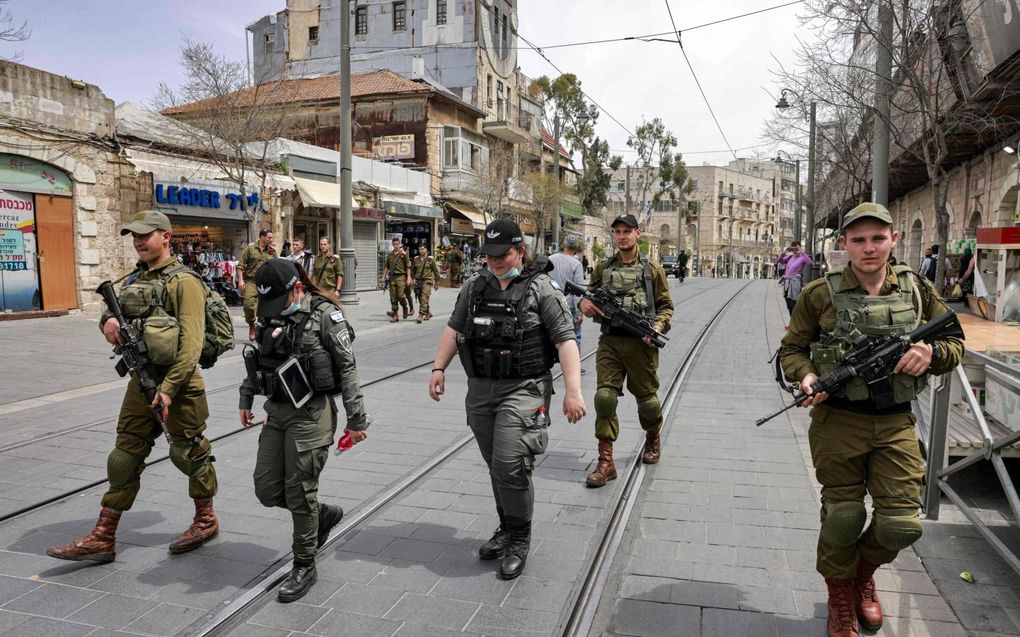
(274,281)
(628,219)
(501,235)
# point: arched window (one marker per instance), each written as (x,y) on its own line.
(664,231)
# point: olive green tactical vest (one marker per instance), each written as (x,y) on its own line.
(858,313)
(632,283)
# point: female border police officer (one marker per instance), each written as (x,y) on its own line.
(299,320)
(509,325)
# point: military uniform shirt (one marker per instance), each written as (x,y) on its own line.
(327,270)
(252,258)
(543,304)
(815,315)
(663,302)
(398,265)
(425,269)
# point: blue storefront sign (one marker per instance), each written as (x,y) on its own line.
(175,195)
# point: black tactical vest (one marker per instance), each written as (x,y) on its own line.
(498,344)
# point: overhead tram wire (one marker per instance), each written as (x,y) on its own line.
(698,82)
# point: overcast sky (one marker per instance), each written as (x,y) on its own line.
(127,47)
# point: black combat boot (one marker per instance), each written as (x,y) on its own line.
(516,554)
(496,545)
(298,582)
(329,516)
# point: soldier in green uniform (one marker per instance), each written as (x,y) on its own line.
(622,356)
(862,438)
(455,262)
(299,322)
(425,273)
(328,269)
(252,258)
(168,297)
(398,269)
(510,324)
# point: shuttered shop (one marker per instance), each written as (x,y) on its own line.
(366,249)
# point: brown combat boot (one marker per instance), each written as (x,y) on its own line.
(653,448)
(251,332)
(867,606)
(204,528)
(842,619)
(421,317)
(605,470)
(100,545)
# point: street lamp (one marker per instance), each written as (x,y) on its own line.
(783,104)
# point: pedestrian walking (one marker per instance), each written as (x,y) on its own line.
(426,274)
(252,258)
(509,326)
(862,437)
(566,267)
(302,357)
(328,269)
(455,263)
(170,299)
(929,263)
(621,356)
(584,264)
(965,276)
(681,265)
(398,272)
(793,261)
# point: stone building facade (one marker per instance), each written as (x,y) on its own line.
(62,173)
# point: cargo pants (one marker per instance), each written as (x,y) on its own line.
(501,415)
(399,293)
(855,454)
(137,432)
(251,297)
(619,359)
(293,448)
(423,298)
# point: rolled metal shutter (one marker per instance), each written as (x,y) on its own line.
(366,248)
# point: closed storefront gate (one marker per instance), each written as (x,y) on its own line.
(366,247)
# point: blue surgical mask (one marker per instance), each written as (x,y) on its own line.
(294,307)
(512,273)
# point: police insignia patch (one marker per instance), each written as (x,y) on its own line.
(555,284)
(337,316)
(343,339)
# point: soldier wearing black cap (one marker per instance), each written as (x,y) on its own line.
(621,355)
(509,326)
(168,299)
(302,357)
(862,437)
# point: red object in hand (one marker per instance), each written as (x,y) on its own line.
(344,444)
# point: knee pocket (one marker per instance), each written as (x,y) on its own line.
(606,399)
(842,522)
(896,529)
(189,457)
(649,409)
(122,468)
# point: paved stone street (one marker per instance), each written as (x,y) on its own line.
(720,543)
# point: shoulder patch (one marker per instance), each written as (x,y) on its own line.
(343,339)
(336,316)
(555,285)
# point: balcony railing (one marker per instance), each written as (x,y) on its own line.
(508,122)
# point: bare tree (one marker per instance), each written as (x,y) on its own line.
(496,178)
(661,172)
(546,191)
(933,102)
(10,32)
(230,123)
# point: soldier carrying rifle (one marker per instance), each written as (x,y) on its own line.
(641,287)
(862,435)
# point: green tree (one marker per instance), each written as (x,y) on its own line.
(661,172)
(565,99)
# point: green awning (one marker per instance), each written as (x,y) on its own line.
(571,210)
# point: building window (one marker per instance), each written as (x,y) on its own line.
(461,151)
(504,31)
(313,35)
(269,42)
(495,24)
(399,16)
(440,11)
(361,21)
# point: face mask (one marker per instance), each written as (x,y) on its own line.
(294,307)
(512,273)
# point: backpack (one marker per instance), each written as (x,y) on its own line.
(219,326)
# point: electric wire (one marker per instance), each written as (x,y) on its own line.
(698,82)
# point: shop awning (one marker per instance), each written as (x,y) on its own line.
(407,204)
(469,212)
(323,194)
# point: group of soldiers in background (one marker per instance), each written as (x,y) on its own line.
(409,279)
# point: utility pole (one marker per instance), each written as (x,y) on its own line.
(883,86)
(798,216)
(729,265)
(627,186)
(810,275)
(348,294)
(556,162)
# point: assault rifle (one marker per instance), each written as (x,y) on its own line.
(616,315)
(873,359)
(133,354)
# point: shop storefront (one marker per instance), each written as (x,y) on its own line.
(317,218)
(466,224)
(37,255)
